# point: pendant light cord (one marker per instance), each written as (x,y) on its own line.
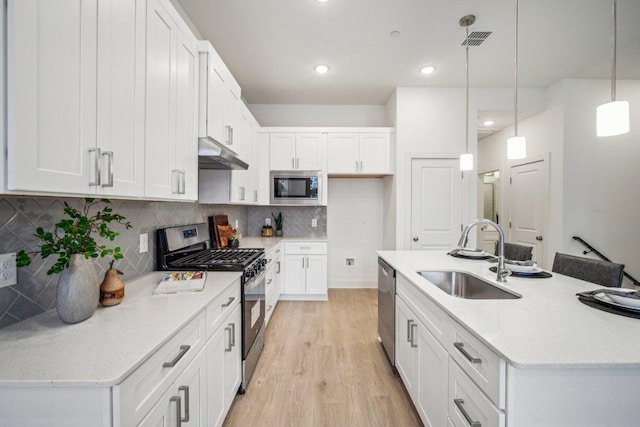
(467,59)
(613,53)
(515,79)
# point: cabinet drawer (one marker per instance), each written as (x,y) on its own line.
(482,365)
(319,248)
(466,403)
(272,254)
(220,307)
(139,392)
(434,318)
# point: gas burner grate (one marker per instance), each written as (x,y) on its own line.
(223,258)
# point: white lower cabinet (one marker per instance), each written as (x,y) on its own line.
(272,281)
(224,367)
(305,274)
(451,377)
(422,364)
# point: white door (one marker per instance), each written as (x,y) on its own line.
(282,151)
(215,349)
(436,203)
(316,274)
(308,151)
(375,150)
(406,356)
(433,360)
(342,152)
(529,195)
(233,357)
(191,387)
(294,274)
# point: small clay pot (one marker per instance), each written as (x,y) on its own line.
(111,289)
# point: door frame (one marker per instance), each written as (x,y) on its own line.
(544,157)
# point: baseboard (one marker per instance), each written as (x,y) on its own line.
(353,284)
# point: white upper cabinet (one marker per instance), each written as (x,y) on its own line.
(219,99)
(76,97)
(296,151)
(171,140)
(51,89)
(359,153)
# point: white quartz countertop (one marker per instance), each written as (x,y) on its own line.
(547,327)
(104,349)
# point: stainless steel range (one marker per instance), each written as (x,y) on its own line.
(189,248)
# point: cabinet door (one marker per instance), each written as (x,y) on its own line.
(282,151)
(121,94)
(316,274)
(342,153)
(215,376)
(216,92)
(191,387)
(432,378)
(51,89)
(161,175)
(231,119)
(309,151)
(186,156)
(406,356)
(164,412)
(375,153)
(294,274)
(232,357)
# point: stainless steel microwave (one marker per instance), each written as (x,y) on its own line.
(296,187)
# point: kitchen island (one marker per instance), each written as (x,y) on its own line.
(557,361)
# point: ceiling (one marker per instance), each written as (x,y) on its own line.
(271,46)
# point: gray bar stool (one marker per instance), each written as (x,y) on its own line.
(516,252)
(596,271)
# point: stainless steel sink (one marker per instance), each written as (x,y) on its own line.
(465,285)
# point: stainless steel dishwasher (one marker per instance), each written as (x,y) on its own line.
(387,308)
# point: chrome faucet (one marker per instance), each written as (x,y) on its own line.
(501,270)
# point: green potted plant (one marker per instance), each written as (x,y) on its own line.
(72,240)
(278,221)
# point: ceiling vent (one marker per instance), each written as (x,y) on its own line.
(476,38)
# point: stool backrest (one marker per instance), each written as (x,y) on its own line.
(597,271)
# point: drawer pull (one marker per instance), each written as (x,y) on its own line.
(472,423)
(269,281)
(178,410)
(464,352)
(229,301)
(185,388)
(305,248)
(183,351)
(413,344)
(409,322)
(228,349)
(233,334)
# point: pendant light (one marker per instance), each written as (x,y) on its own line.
(466,160)
(516,145)
(612,118)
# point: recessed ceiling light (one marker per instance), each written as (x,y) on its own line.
(321,68)
(427,70)
(488,123)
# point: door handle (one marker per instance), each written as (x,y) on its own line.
(185,388)
(178,402)
(539,238)
(415,238)
(109,156)
(96,167)
(413,344)
(472,423)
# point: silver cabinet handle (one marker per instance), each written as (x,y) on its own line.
(414,325)
(183,351)
(472,423)
(361,167)
(278,267)
(109,155)
(297,163)
(305,248)
(270,307)
(175,178)
(415,238)
(233,136)
(233,334)
(255,195)
(464,352)
(178,402)
(185,389)
(307,258)
(96,167)
(409,322)
(356,166)
(293,163)
(242,193)
(269,281)
(539,238)
(229,301)
(182,183)
(302,262)
(228,136)
(228,349)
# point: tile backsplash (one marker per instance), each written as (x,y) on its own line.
(35,291)
(296,220)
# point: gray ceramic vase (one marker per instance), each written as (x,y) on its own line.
(278,232)
(78,290)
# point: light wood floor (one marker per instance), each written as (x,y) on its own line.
(322,365)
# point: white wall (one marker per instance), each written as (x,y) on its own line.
(354,227)
(602,175)
(318,115)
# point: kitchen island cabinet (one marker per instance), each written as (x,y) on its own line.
(124,365)
(542,359)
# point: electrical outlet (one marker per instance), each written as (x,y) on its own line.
(314,222)
(144,243)
(350,262)
(8,273)
(267,221)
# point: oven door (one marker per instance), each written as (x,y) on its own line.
(253,308)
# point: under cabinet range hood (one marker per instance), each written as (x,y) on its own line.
(213,155)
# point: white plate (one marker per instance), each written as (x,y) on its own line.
(605,299)
(474,254)
(626,301)
(516,268)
